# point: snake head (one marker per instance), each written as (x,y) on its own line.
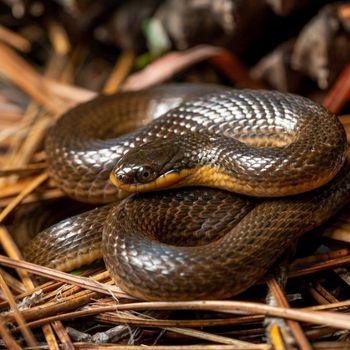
(155,165)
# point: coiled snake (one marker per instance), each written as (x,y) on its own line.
(193,242)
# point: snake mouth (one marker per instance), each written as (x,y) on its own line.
(170,179)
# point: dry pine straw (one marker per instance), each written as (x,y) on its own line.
(102,301)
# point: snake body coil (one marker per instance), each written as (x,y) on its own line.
(258,143)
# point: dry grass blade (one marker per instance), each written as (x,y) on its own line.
(315,259)
(15,40)
(32,141)
(339,229)
(214,338)
(57,307)
(59,38)
(12,282)
(332,319)
(6,336)
(339,94)
(26,191)
(27,334)
(276,338)
(316,295)
(104,315)
(326,295)
(24,170)
(338,233)
(119,73)
(50,337)
(83,282)
(89,346)
(235,70)
(120,318)
(48,194)
(12,251)
(69,92)
(166,66)
(324,265)
(28,293)
(294,326)
(63,336)
(22,74)
(28,119)
(339,306)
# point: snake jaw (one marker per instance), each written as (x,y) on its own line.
(170,179)
(154,166)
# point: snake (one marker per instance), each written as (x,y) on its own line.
(203,186)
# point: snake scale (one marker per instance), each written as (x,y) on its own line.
(283,156)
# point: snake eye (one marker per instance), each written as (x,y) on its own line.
(145,174)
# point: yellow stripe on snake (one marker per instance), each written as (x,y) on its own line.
(260,168)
